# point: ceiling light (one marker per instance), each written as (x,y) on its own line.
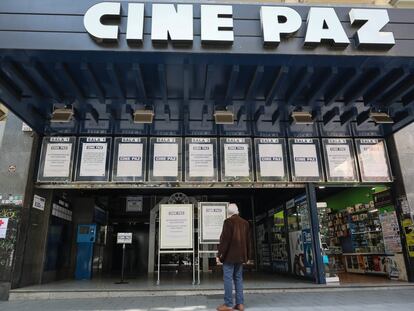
(381,118)
(64,114)
(302,117)
(224,117)
(143,116)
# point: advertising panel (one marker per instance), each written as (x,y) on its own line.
(201,159)
(236,159)
(93,159)
(373,160)
(129,159)
(165,159)
(271,159)
(56,159)
(339,160)
(305,159)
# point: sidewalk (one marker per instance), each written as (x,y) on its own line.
(396,299)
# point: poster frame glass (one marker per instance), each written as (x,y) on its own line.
(279,141)
(94,139)
(129,140)
(43,154)
(165,140)
(340,141)
(236,140)
(200,140)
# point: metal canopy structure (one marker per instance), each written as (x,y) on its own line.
(62,65)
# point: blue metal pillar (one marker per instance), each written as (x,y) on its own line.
(316,243)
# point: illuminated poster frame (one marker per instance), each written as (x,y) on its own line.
(342,144)
(46,159)
(232,142)
(128,158)
(281,143)
(99,142)
(167,146)
(190,163)
(294,158)
(365,164)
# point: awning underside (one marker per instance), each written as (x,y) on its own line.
(184,91)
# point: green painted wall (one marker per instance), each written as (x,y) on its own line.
(352,196)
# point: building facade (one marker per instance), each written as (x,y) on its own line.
(299,112)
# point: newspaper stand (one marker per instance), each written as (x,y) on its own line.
(201,240)
(189,250)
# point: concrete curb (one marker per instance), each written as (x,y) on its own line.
(21,294)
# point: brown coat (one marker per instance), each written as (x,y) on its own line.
(235,244)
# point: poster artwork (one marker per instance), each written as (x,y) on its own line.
(201,160)
(305,160)
(129,160)
(57,160)
(236,160)
(165,160)
(213,217)
(93,159)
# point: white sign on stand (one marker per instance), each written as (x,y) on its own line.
(176,226)
(124,238)
(212,218)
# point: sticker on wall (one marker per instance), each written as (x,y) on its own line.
(39,202)
(3,227)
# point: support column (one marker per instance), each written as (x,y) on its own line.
(316,243)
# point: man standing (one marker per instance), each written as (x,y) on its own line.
(234,250)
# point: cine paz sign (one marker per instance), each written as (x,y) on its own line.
(175,23)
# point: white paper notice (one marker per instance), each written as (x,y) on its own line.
(305,160)
(374,163)
(57,160)
(340,161)
(201,159)
(271,160)
(165,160)
(176,226)
(129,160)
(213,217)
(3,227)
(93,160)
(236,160)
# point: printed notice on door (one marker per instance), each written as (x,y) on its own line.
(236,160)
(176,226)
(57,160)
(271,160)
(93,160)
(305,159)
(165,160)
(129,162)
(340,161)
(213,216)
(201,159)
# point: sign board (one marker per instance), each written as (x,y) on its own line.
(56,159)
(134,204)
(166,159)
(216,23)
(213,215)
(93,159)
(305,159)
(201,163)
(373,160)
(129,159)
(236,161)
(3,227)
(124,238)
(271,159)
(39,202)
(176,226)
(339,160)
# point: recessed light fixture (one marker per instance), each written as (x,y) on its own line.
(143,116)
(321,187)
(224,117)
(380,117)
(302,117)
(62,115)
